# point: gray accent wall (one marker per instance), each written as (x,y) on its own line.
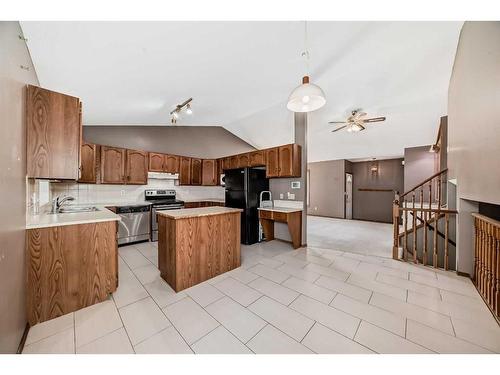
(13,80)
(208,142)
(326,188)
(376,205)
(419,165)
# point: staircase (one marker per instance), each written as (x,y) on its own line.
(421,224)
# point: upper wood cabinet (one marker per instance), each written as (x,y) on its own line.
(272,162)
(233,162)
(257,158)
(113,160)
(196,171)
(53,133)
(210,175)
(137,167)
(88,160)
(290,160)
(156,162)
(243,161)
(171,164)
(184,170)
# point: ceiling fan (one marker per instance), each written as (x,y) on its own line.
(356,121)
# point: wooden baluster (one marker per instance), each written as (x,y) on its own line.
(414,224)
(426,229)
(489,256)
(446,228)
(430,195)
(476,250)
(439,191)
(395,227)
(405,242)
(497,289)
(421,202)
(483,246)
(435,250)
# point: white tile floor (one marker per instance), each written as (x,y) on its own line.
(310,300)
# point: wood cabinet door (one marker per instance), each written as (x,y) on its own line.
(137,167)
(225,163)
(234,162)
(88,163)
(196,171)
(243,161)
(171,164)
(272,162)
(209,172)
(257,158)
(112,165)
(184,170)
(290,161)
(53,132)
(156,162)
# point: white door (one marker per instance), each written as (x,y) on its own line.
(348,196)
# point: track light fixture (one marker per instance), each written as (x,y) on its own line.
(175,113)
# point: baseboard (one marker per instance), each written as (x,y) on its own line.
(23,339)
(465,274)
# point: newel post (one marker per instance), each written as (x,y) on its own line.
(395,224)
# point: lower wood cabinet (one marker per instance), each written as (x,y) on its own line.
(196,171)
(184,171)
(69,267)
(209,172)
(88,161)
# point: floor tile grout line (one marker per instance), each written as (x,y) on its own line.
(53,334)
(123,325)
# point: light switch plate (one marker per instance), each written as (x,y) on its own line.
(281,195)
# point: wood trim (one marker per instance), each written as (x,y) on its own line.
(376,190)
(487,219)
(20,348)
(424,182)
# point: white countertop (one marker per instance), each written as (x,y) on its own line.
(45,219)
(198,212)
(280,209)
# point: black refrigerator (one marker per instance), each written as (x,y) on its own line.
(243,187)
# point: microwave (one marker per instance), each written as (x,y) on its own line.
(222,181)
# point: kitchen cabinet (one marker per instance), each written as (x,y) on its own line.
(88,160)
(290,160)
(243,161)
(210,175)
(234,162)
(171,164)
(225,163)
(196,171)
(257,158)
(272,162)
(113,165)
(68,268)
(53,134)
(137,167)
(184,170)
(156,162)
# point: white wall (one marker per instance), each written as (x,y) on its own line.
(107,194)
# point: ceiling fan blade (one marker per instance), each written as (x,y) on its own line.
(360,114)
(336,122)
(374,119)
(336,130)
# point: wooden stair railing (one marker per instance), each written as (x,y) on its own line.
(428,210)
(487,261)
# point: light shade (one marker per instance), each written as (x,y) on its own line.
(307,97)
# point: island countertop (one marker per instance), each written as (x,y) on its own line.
(185,213)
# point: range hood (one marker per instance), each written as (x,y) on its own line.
(163,176)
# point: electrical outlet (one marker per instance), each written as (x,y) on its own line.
(281,195)
(291,196)
(315,208)
(122,192)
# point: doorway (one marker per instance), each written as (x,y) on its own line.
(348,196)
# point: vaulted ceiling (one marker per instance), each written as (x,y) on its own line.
(241,73)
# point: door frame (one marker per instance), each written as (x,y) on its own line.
(346,194)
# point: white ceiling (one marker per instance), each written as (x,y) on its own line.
(241,73)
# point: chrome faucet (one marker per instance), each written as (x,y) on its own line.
(57,203)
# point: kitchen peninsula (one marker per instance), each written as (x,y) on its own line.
(196,244)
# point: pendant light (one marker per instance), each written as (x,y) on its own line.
(307,97)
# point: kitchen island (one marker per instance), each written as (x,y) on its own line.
(196,244)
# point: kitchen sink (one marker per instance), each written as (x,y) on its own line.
(69,209)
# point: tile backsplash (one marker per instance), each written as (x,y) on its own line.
(92,193)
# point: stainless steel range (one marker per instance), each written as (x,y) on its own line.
(162,200)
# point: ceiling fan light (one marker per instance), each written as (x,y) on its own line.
(307,93)
(356,127)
